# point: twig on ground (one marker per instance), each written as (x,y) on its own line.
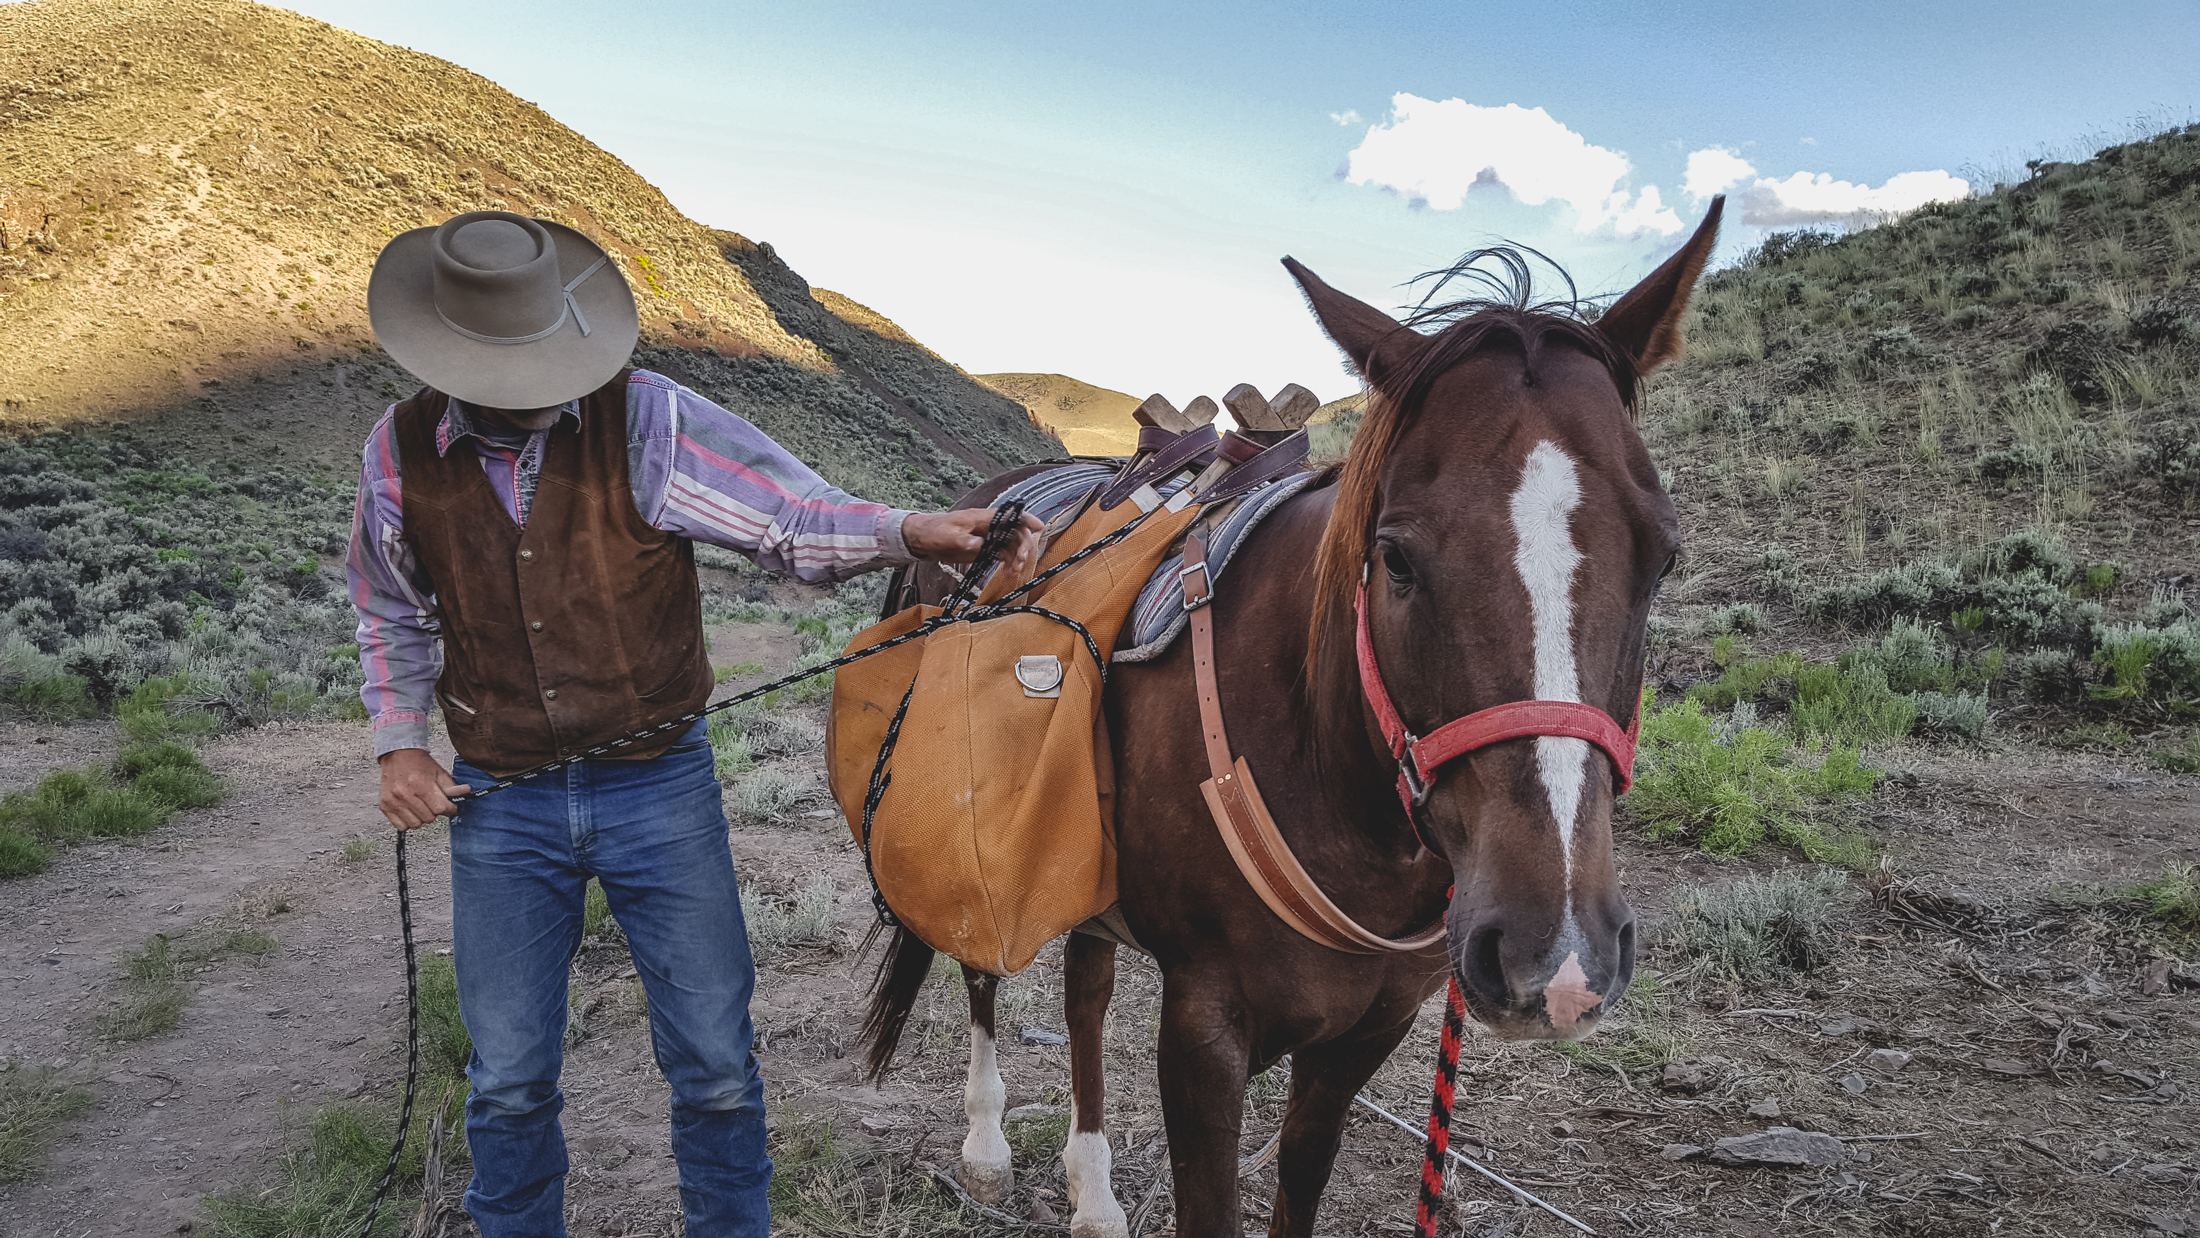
(1499,1179)
(994,1215)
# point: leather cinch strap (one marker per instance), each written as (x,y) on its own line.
(1247,829)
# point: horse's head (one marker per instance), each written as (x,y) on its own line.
(1511,532)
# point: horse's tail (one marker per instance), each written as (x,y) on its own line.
(894,989)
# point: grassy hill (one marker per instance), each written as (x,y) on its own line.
(1092,421)
(193,191)
(1954,460)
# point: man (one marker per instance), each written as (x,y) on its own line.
(521,552)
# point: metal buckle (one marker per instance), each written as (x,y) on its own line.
(1206,588)
(1411,772)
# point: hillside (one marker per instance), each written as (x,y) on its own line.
(1091,421)
(193,191)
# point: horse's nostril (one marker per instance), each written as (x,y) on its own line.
(1485,967)
(1627,949)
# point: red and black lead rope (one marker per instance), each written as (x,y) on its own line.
(1440,1110)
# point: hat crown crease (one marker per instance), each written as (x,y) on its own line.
(497,279)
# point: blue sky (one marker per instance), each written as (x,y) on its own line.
(1104,191)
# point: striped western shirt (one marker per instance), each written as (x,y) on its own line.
(697,470)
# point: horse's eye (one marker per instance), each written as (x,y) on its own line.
(1671,561)
(1395,563)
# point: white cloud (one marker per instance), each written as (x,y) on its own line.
(1345,117)
(1805,198)
(1811,197)
(1434,153)
(1713,169)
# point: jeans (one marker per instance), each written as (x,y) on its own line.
(654,833)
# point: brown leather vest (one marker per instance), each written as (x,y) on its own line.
(584,626)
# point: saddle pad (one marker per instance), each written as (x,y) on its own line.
(1050,494)
(1158,615)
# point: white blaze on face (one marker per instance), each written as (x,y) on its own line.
(1542,521)
(985,1154)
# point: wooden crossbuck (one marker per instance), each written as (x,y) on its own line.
(1251,410)
(1254,411)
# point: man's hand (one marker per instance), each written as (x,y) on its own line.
(415,790)
(956,537)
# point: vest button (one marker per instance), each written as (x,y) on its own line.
(536,625)
(526,554)
(551,695)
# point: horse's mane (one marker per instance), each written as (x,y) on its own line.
(1500,304)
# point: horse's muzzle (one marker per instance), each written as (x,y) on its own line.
(1523,987)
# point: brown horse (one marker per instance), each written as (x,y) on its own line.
(1512,530)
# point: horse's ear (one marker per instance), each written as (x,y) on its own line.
(1374,340)
(1646,323)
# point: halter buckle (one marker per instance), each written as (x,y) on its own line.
(1409,773)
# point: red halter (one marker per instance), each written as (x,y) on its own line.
(1420,757)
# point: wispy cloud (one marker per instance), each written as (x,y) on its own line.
(1812,197)
(1345,117)
(1435,153)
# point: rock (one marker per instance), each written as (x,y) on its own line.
(2155,981)
(1039,1213)
(1837,1025)
(1853,1084)
(2122,1021)
(881,1123)
(1679,1151)
(1033,1036)
(1769,1107)
(1887,1060)
(1781,1145)
(1030,1113)
(2175,1224)
(2007,1066)
(1686,1076)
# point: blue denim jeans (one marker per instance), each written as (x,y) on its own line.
(654,833)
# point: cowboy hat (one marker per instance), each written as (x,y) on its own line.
(503,311)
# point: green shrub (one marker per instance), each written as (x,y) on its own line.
(1753,929)
(1732,791)
(2181,759)
(2173,899)
(20,853)
(1960,715)
(1849,704)
(1746,618)
(32,1103)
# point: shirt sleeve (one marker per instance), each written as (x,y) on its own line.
(400,640)
(701,472)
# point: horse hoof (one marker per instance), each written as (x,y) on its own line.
(988,1184)
(1115,1227)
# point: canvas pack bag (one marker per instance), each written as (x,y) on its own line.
(993,833)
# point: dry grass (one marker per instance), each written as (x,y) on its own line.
(32,1103)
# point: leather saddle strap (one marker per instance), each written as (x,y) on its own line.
(1247,828)
(1266,465)
(1188,450)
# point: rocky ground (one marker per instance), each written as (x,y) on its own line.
(1988,1050)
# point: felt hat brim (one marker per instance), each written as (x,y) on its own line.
(561,366)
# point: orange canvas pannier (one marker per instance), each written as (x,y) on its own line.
(994,834)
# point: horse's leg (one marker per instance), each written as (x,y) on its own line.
(1203,1068)
(1323,1081)
(1088,983)
(985,1171)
